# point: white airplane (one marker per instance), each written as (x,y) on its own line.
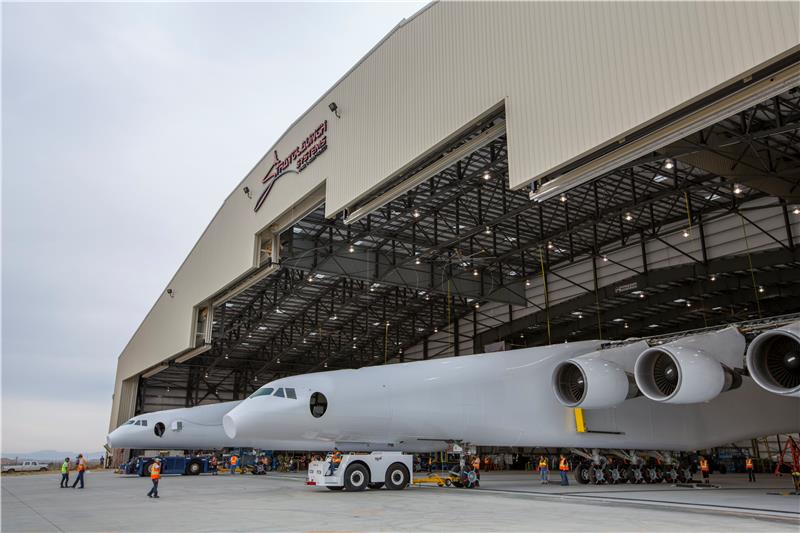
(687,394)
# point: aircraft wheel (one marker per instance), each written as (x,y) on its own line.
(356,478)
(10,471)
(582,475)
(334,488)
(397,477)
(635,475)
(617,474)
(376,486)
(652,474)
(598,474)
(671,474)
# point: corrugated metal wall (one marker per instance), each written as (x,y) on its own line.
(725,236)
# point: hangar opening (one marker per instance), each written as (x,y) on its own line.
(447,260)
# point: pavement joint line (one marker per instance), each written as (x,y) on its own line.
(40,515)
(702,508)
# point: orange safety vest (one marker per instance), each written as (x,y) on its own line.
(337,458)
(748,464)
(234,460)
(155,471)
(703,465)
(542,463)
(81,465)
(476,463)
(562,465)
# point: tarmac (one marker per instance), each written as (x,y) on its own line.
(506,501)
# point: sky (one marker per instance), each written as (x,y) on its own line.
(124,127)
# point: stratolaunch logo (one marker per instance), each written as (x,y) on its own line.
(302,156)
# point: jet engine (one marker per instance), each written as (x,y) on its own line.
(691,369)
(773,360)
(598,379)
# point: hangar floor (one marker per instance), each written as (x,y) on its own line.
(507,501)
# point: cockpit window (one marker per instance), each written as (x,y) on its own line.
(262,392)
(138,423)
(279,393)
(129,422)
(144,423)
(290,394)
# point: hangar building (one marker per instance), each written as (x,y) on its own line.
(499,175)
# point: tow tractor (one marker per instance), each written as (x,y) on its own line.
(356,472)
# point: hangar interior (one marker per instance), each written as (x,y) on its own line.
(447,260)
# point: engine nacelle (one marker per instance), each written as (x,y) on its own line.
(773,360)
(598,379)
(692,369)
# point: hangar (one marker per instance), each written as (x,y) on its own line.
(499,175)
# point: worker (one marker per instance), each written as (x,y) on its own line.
(65,473)
(704,469)
(748,465)
(155,475)
(81,467)
(234,461)
(544,471)
(336,460)
(563,467)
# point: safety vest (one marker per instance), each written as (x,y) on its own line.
(337,458)
(476,463)
(703,465)
(234,460)
(65,467)
(562,465)
(748,463)
(155,471)
(81,465)
(542,463)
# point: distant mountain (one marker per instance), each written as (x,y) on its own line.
(50,455)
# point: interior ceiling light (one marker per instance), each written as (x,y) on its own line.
(563,198)
(416,213)
(475,272)
(310,279)
(688,304)
(488,230)
(354,346)
(618,320)
(326,364)
(227,356)
(686,233)
(737,189)
(527,283)
(436,330)
(486,175)
(626,325)
(278,360)
(352,249)
(477,305)
(605,258)
(641,295)
(549,245)
(796,210)
(761,288)
(628,217)
(417,261)
(713,277)
(668,164)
